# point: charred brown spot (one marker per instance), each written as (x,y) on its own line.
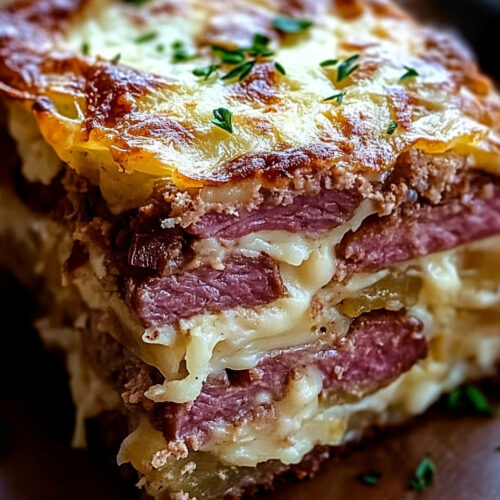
(167,7)
(161,126)
(236,27)
(26,29)
(403,105)
(386,8)
(278,165)
(368,153)
(49,14)
(112,92)
(261,85)
(350,8)
(303,7)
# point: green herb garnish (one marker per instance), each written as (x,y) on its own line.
(336,97)
(181,52)
(228,56)
(280,68)
(85,48)
(392,127)
(206,71)
(241,71)
(160,47)
(470,397)
(371,478)
(347,67)
(259,46)
(146,37)
(259,49)
(136,2)
(223,119)
(424,475)
(116,58)
(410,73)
(328,62)
(291,25)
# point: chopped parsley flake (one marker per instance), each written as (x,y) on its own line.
(85,48)
(146,37)
(280,68)
(410,73)
(240,72)
(223,118)
(291,25)
(259,46)
(206,71)
(424,475)
(258,50)
(336,97)
(328,62)
(116,58)
(160,47)
(371,478)
(392,127)
(136,2)
(228,56)
(347,67)
(470,398)
(259,39)
(238,57)
(181,52)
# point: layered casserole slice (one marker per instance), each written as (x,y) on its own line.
(256,228)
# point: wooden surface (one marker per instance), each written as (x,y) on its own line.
(36,462)
(466,451)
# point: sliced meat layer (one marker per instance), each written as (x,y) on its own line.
(378,348)
(306,214)
(245,282)
(422,229)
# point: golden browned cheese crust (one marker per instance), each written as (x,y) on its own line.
(127,125)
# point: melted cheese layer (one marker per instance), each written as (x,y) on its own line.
(464,342)
(238,338)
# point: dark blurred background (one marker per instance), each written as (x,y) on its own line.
(477,21)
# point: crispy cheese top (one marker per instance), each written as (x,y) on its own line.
(130,123)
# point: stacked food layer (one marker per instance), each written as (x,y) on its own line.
(257,229)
